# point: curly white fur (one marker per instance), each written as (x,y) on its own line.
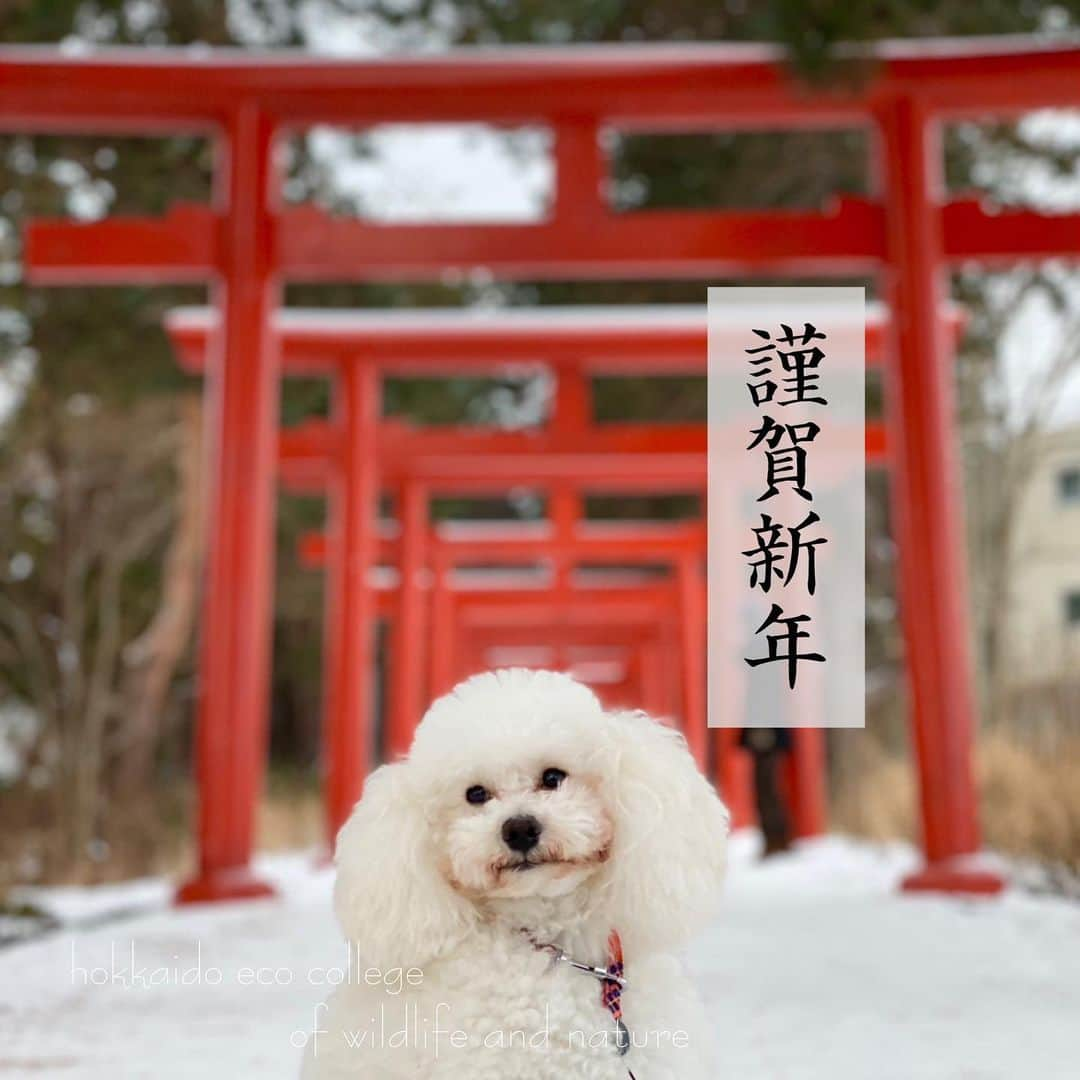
(632,839)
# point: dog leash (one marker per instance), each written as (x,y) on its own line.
(612,982)
(611,988)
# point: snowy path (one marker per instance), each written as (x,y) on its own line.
(817,971)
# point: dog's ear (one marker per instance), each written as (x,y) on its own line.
(390,898)
(668,862)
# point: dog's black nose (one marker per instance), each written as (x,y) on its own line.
(521,833)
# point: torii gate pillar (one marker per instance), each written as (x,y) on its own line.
(351,601)
(237,617)
(927,505)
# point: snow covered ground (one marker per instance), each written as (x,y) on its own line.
(818,970)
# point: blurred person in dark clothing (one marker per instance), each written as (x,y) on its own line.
(768,747)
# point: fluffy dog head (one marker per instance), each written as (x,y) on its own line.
(520,786)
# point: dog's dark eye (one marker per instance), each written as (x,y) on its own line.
(477,795)
(552,778)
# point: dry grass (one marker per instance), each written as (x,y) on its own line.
(1031,799)
(1030,796)
(290,816)
(146,836)
(873,790)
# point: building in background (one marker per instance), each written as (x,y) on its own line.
(1044,618)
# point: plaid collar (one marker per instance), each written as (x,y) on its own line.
(611,977)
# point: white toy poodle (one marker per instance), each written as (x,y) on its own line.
(513,892)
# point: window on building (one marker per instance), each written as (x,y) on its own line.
(1072,608)
(1069,484)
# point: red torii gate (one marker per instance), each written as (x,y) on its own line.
(507,593)
(576,344)
(248,246)
(505,612)
(679,603)
(542,469)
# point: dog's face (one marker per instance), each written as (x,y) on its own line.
(520,786)
(531,825)
(514,774)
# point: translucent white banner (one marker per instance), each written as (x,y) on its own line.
(787,507)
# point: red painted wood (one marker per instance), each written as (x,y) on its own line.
(960,876)
(180,247)
(615,340)
(693,625)
(236,617)
(595,541)
(806,774)
(349,728)
(477,459)
(442,664)
(927,496)
(848,241)
(635,86)
(408,660)
(845,240)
